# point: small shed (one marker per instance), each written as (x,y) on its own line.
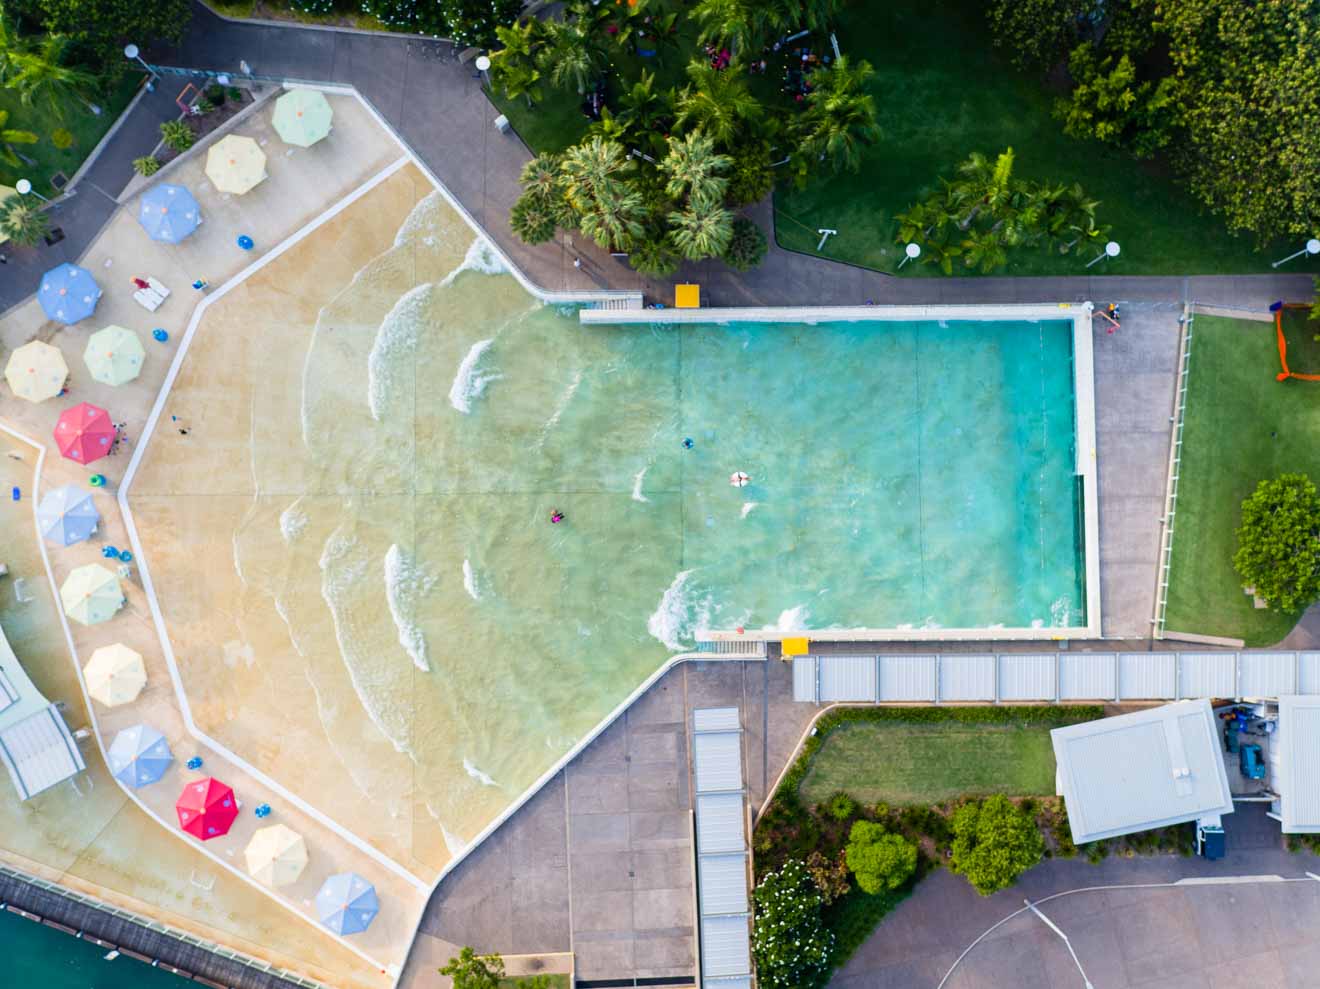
(1296,765)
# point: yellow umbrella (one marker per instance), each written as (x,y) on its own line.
(235,164)
(36,371)
(91,594)
(114,355)
(276,855)
(115,675)
(302,117)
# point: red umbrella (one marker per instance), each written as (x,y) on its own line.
(84,433)
(206,808)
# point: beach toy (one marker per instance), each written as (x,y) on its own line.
(17,494)
(109,552)
(262,810)
(245,242)
(97,480)
(195,763)
(159,335)
(125,556)
(739,480)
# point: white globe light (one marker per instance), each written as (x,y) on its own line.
(1313,246)
(130,51)
(1112,249)
(913,251)
(483,63)
(22,187)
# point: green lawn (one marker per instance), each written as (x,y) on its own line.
(902,763)
(942,91)
(87,129)
(556,980)
(1241,426)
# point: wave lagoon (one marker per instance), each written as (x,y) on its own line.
(352,544)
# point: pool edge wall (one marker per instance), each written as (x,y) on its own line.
(1084,443)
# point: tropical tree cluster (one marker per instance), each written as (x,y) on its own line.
(1228,90)
(985,212)
(1279,542)
(878,858)
(99,29)
(663,170)
(789,941)
(468,23)
(994,842)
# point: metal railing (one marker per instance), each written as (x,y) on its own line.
(1175,469)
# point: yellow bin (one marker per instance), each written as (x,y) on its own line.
(687,296)
(789,648)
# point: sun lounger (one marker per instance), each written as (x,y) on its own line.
(147,299)
(158,288)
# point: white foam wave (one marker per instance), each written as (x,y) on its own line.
(747,508)
(421,219)
(293,520)
(562,404)
(480,257)
(1061,613)
(477,774)
(790,620)
(470,581)
(394,351)
(468,383)
(405,582)
(637,485)
(682,612)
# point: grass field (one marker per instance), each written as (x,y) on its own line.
(87,129)
(556,980)
(942,91)
(1241,427)
(901,763)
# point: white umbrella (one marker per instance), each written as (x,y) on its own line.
(276,855)
(115,675)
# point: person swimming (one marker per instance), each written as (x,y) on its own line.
(556,516)
(687,443)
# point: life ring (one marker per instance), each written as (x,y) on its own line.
(739,479)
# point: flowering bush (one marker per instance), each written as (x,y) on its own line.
(472,23)
(791,945)
(313,6)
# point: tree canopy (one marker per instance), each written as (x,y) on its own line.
(105,26)
(993,843)
(1279,542)
(879,859)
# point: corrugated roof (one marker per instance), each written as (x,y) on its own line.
(967,678)
(1299,737)
(8,693)
(804,679)
(1027,676)
(1207,674)
(908,678)
(39,752)
(722,884)
(847,678)
(1267,674)
(1144,770)
(1088,676)
(1147,676)
(717,759)
(725,947)
(1308,672)
(720,823)
(716,719)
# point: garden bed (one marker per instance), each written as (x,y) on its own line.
(236,100)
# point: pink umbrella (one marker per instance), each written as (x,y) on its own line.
(84,433)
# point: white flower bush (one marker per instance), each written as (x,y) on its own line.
(790,944)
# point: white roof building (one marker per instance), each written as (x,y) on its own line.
(36,746)
(1140,771)
(1295,764)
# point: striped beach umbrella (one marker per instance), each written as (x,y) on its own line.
(114,355)
(139,756)
(235,164)
(302,117)
(68,293)
(91,594)
(36,371)
(67,515)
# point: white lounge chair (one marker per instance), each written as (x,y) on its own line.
(147,299)
(158,288)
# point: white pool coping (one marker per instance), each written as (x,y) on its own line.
(1084,442)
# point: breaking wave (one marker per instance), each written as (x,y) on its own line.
(468,382)
(480,257)
(394,351)
(405,583)
(682,612)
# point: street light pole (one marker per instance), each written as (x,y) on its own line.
(1068,944)
(910,253)
(483,66)
(133,54)
(1111,251)
(24,188)
(1312,247)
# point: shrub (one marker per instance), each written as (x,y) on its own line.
(841,806)
(215,93)
(790,944)
(316,7)
(177,135)
(62,138)
(878,859)
(472,971)
(746,247)
(234,94)
(146,166)
(22,221)
(204,106)
(472,23)
(1279,542)
(751,178)
(1035,32)
(994,843)
(654,257)
(829,875)
(927,821)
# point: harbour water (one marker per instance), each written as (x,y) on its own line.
(42,956)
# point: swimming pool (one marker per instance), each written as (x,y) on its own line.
(360,550)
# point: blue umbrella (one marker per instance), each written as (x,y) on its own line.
(168,213)
(139,755)
(67,515)
(347,903)
(68,293)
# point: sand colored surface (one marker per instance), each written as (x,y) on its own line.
(116,851)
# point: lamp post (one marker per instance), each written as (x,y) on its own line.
(1312,247)
(133,54)
(1111,251)
(1068,944)
(911,252)
(24,188)
(483,66)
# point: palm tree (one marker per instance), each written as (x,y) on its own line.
(42,72)
(840,114)
(702,230)
(646,112)
(984,249)
(654,256)
(513,67)
(987,186)
(590,167)
(694,169)
(9,136)
(614,217)
(532,219)
(574,52)
(11,45)
(718,103)
(23,222)
(739,24)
